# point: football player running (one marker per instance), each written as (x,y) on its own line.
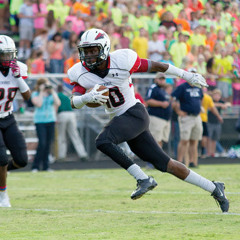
(12,75)
(129,118)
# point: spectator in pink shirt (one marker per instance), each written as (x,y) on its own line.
(78,25)
(40,11)
(77,22)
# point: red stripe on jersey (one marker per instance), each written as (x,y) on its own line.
(130,84)
(24,77)
(84,64)
(144,66)
(73,83)
(108,62)
(78,89)
(136,65)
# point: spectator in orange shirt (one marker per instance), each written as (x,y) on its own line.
(101,15)
(163,10)
(82,7)
(183,20)
(74,58)
(209,41)
(38,64)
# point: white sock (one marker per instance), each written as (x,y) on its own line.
(200,181)
(137,172)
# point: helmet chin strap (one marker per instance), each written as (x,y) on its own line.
(95,65)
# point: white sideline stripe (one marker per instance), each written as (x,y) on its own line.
(121,212)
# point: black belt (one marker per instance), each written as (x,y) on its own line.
(191,114)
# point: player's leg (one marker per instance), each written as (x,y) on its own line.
(4,199)
(120,129)
(145,147)
(215,188)
(16,144)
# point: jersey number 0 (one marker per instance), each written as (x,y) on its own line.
(116,98)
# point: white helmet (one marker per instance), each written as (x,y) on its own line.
(7,51)
(94,38)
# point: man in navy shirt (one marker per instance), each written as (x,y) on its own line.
(159,109)
(190,123)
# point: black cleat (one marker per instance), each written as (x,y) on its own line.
(143,186)
(219,196)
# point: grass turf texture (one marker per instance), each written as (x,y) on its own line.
(96,204)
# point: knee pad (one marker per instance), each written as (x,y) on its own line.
(101,139)
(116,154)
(106,136)
(3,157)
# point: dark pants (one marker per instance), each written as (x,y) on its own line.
(12,138)
(132,127)
(45,133)
(176,137)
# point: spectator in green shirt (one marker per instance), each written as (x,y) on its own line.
(116,14)
(104,5)
(178,50)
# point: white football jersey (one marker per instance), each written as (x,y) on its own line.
(9,87)
(121,64)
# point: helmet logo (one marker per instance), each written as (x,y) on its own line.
(99,36)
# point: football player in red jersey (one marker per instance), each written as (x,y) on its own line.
(12,75)
(129,118)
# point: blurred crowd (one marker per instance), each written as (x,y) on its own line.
(195,35)
(188,33)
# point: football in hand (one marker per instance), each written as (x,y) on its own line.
(94,105)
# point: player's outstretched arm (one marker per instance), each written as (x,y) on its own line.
(194,79)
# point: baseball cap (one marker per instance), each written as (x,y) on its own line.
(160,75)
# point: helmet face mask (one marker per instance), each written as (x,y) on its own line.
(6,58)
(8,51)
(94,45)
(88,59)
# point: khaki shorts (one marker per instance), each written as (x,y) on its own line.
(159,128)
(190,127)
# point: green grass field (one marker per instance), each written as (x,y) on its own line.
(96,204)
